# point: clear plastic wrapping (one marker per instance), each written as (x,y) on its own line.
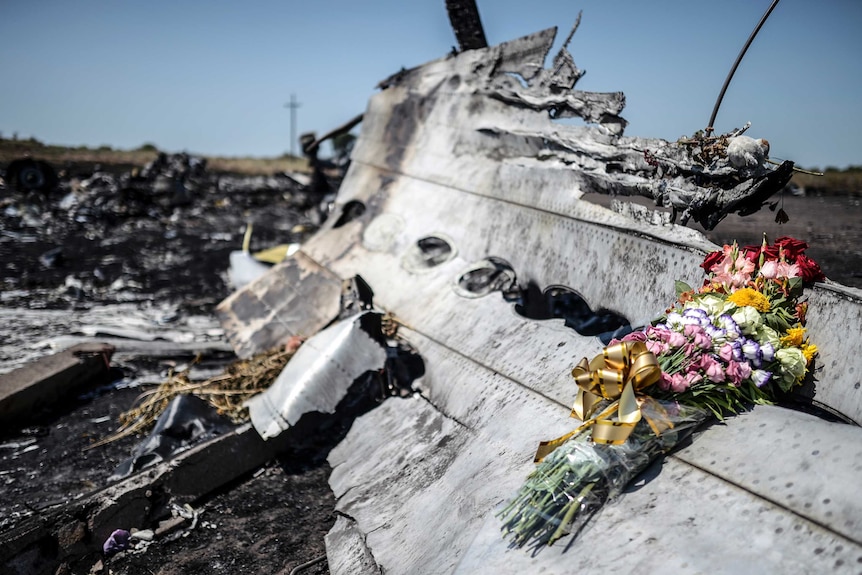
(576,479)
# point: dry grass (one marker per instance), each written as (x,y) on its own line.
(226,392)
(833,182)
(13,149)
(258,166)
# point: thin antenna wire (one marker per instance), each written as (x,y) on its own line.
(710,126)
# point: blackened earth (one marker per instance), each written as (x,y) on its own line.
(104,238)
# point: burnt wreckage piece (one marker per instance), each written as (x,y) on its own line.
(696,177)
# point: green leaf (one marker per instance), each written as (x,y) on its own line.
(681,287)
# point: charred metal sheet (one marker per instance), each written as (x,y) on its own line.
(461,151)
(262,315)
(464,17)
(318,377)
(43,382)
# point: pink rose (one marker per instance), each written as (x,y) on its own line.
(678,383)
(702,341)
(635,336)
(691,378)
(665,381)
(658,333)
(712,368)
(738,371)
(656,347)
(676,339)
(691,329)
(726,352)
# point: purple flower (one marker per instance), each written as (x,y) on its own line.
(737,350)
(116,542)
(730,326)
(695,315)
(760,377)
(751,350)
(768,351)
(714,332)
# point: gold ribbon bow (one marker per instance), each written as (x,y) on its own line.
(618,373)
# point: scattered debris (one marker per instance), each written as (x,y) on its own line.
(49,379)
(185,421)
(225,392)
(108,234)
(28,175)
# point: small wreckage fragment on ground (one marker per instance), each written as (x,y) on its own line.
(319,375)
(460,163)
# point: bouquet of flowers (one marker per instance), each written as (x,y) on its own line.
(737,340)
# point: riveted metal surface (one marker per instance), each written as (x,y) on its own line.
(442,154)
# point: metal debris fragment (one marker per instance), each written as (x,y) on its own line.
(320,374)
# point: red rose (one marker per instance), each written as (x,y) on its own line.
(792,247)
(770,253)
(751,253)
(711,259)
(808,269)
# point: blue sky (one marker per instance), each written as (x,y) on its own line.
(213,77)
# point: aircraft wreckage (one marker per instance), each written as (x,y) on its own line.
(462,189)
(461,246)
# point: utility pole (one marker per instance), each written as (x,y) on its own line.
(293,105)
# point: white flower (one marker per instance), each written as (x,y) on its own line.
(792,363)
(674,321)
(712,304)
(748,319)
(766,334)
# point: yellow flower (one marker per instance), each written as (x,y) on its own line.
(794,336)
(749,297)
(809,351)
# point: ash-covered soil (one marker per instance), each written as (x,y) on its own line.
(108,236)
(270,522)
